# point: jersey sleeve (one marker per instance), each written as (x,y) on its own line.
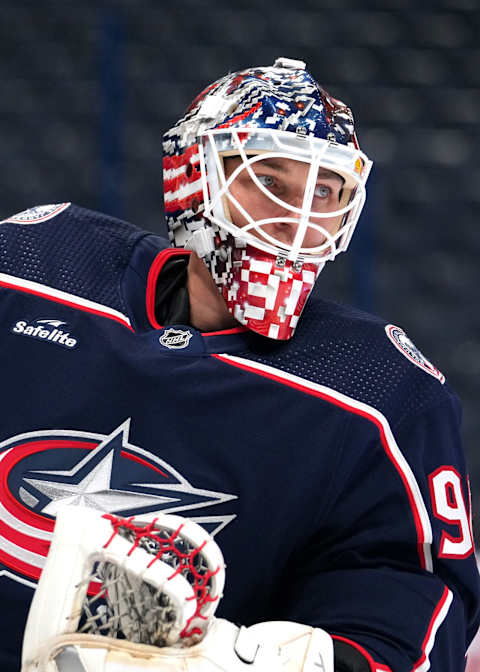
(391,568)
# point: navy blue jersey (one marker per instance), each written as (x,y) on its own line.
(329,468)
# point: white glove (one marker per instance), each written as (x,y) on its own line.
(275,646)
(154,580)
(154,612)
(286,646)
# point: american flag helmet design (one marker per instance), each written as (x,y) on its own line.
(256,114)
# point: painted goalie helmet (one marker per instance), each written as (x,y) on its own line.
(264,180)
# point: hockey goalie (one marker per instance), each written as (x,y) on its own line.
(138,594)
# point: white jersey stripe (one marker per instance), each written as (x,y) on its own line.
(53,294)
(16,524)
(19,553)
(419,510)
(439,616)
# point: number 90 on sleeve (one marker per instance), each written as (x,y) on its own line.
(449,506)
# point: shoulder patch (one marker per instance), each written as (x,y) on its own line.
(40,213)
(401,341)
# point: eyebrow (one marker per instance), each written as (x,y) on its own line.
(272,163)
(329,174)
(323,173)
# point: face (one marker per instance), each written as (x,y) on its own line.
(285,179)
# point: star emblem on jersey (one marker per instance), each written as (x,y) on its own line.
(104,472)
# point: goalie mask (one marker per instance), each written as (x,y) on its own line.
(265,181)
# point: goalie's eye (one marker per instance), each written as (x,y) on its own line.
(322,191)
(266,180)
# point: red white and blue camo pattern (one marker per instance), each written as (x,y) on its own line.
(284,97)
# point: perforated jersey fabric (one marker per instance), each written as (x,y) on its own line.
(79,251)
(321,454)
(345,349)
(86,253)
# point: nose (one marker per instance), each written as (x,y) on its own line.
(283,231)
(285,228)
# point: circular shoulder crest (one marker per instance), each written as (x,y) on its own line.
(40,213)
(401,341)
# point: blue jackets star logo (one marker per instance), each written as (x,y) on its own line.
(81,468)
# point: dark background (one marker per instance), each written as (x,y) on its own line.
(88,88)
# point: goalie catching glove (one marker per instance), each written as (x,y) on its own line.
(132,595)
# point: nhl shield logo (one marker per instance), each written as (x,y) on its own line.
(175,339)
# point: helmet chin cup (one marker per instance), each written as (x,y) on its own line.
(267,294)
